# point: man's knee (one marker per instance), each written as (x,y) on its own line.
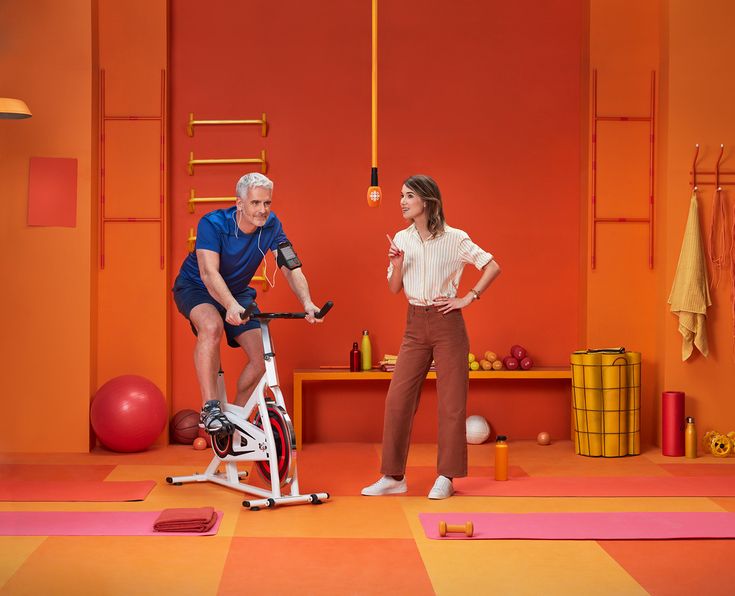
(210,329)
(257,367)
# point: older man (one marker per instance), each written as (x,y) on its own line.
(212,289)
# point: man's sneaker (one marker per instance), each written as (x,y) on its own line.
(385,486)
(442,488)
(213,419)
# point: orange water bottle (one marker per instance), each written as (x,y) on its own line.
(690,438)
(501,458)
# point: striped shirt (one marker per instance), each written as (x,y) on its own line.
(433,268)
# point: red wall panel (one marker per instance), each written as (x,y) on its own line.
(484,96)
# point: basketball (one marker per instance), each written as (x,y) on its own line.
(184,427)
(478,430)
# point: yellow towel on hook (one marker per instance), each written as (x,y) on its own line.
(689,296)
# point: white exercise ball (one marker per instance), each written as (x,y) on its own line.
(478,430)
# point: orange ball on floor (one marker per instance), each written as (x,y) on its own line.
(200,443)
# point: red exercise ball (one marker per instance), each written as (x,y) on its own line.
(128,413)
(184,427)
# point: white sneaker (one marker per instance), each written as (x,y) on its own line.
(442,488)
(385,486)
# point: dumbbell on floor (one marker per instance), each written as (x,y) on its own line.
(445,528)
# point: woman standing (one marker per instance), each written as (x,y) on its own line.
(426,261)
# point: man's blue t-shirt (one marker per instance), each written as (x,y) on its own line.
(240,256)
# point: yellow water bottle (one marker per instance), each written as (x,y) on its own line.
(690,438)
(366,355)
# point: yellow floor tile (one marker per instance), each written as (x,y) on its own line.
(523,567)
(122,565)
(14,550)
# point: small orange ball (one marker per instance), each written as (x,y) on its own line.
(543,438)
(200,443)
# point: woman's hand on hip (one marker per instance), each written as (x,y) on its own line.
(446,305)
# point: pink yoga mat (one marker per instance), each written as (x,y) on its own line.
(74,490)
(88,523)
(599,486)
(584,526)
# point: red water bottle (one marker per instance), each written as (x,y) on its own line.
(354,358)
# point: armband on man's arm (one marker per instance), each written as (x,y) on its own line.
(287,257)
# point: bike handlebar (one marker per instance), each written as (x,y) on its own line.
(248,313)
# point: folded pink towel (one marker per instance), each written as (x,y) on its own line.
(197,519)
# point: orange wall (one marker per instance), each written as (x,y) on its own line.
(132,331)
(701,93)
(621,291)
(46,59)
(687,44)
(485,96)
(490,106)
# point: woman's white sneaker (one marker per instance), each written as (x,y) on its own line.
(442,488)
(385,486)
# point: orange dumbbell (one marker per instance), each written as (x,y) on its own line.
(445,528)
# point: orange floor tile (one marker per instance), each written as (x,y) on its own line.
(671,567)
(326,566)
(358,545)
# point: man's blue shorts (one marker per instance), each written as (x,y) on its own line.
(187,296)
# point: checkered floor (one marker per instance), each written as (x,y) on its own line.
(354,544)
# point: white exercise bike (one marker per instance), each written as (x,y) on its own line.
(272,447)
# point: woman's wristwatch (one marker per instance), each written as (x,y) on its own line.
(476,293)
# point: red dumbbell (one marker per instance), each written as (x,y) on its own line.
(511,363)
(518,352)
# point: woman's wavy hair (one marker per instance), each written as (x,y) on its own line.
(426,188)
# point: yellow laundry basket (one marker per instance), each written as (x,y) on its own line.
(606,402)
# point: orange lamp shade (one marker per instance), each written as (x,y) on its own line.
(14,109)
(374,194)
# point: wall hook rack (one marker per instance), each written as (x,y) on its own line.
(714,177)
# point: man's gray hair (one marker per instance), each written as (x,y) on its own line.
(252,180)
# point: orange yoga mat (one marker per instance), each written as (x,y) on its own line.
(74,490)
(599,486)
